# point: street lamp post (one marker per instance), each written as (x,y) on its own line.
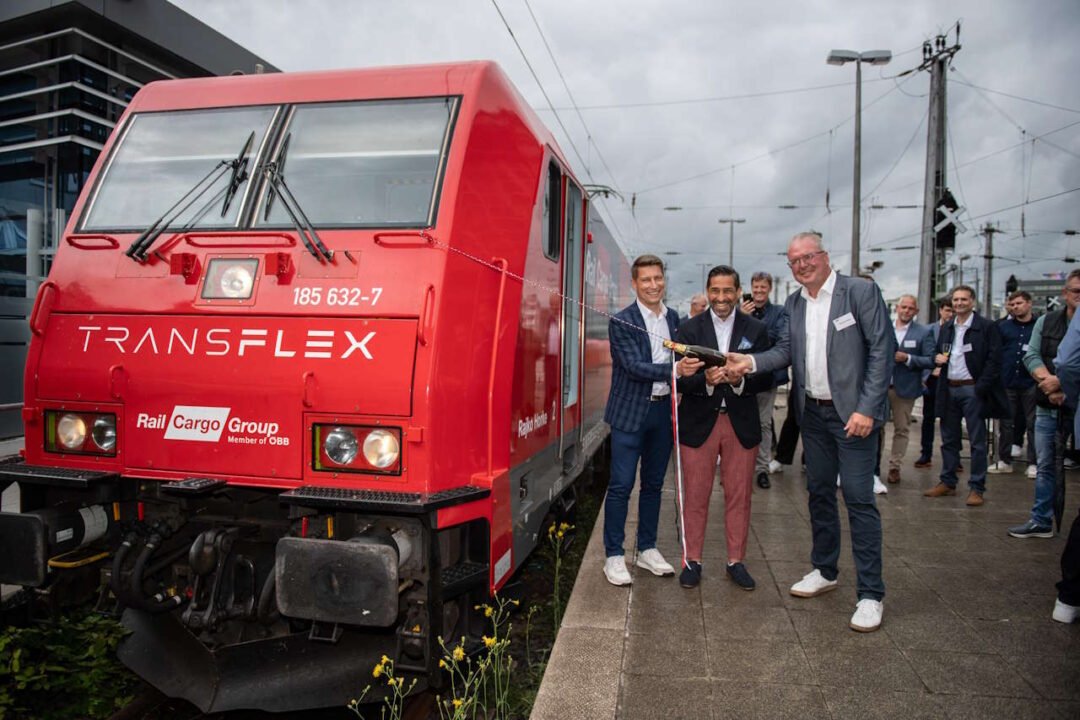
(874,57)
(731,237)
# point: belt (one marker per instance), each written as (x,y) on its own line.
(659,398)
(960,383)
(824,402)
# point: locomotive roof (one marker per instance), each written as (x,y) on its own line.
(481,82)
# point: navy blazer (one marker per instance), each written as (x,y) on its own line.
(697,409)
(907,379)
(632,370)
(983,362)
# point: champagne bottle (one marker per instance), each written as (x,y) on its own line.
(711,358)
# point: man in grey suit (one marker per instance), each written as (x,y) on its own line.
(839,345)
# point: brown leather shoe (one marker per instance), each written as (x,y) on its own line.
(894,475)
(974,499)
(922,463)
(940,490)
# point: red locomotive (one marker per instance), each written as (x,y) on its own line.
(303,381)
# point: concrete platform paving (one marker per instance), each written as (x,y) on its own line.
(966,634)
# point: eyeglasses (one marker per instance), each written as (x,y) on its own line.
(1073,291)
(805,259)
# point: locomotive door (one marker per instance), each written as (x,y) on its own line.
(570,425)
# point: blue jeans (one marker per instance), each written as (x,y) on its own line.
(1042,512)
(828,452)
(964,405)
(652,445)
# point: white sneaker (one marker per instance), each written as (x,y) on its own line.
(615,570)
(1015,451)
(654,562)
(1031,472)
(775,467)
(812,585)
(867,617)
(1065,613)
(879,487)
(1000,468)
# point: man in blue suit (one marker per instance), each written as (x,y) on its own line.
(912,357)
(639,410)
(840,350)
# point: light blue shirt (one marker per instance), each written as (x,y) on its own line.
(1067,366)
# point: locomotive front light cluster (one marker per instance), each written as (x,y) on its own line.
(85,433)
(358,448)
(230,279)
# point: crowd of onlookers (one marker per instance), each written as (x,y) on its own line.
(852,369)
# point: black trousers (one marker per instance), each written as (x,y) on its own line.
(927,445)
(789,437)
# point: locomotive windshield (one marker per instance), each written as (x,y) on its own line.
(348,164)
(365,164)
(163,155)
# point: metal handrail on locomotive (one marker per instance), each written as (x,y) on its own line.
(317,355)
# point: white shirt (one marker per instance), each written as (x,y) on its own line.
(817,333)
(723,330)
(901,333)
(958,369)
(657,326)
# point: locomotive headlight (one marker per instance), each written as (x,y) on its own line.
(104,432)
(71,431)
(374,450)
(341,445)
(230,278)
(381,448)
(85,433)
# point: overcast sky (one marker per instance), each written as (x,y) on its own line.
(654,81)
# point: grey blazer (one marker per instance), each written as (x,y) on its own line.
(860,356)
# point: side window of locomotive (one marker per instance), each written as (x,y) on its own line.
(365,164)
(550,226)
(163,155)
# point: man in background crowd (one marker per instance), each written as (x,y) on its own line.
(1046,336)
(758,306)
(969,390)
(698,303)
(929,417)
(1019,387)
(913,357)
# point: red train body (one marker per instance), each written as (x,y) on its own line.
(317,407)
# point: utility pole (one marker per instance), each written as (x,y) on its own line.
(988,271)
(731,237)
(936,58)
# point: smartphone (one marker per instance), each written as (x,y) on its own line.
(747,297)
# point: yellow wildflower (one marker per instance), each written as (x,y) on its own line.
(488,611)
(442,664)
(416,628)
(384,660)
(459,653)
(551,530)
(489,641)
(458,702)
(378,671)
(560,534)
(565,526)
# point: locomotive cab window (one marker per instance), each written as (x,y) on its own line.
(551,227)
(363,164)
(164,156)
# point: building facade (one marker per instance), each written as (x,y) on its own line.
(67,71)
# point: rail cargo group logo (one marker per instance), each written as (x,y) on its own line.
(192,422)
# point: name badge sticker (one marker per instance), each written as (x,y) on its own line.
(909,343)
(1024,347)
(965,348)
(844,321)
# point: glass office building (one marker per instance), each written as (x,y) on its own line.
(67,71)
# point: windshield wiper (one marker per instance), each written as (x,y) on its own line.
(304,228)
(141,246)
(239,174)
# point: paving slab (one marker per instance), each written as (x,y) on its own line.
(966,634)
